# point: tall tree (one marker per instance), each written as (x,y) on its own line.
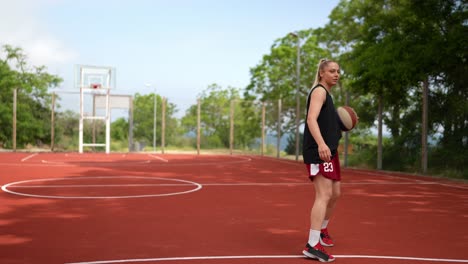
(443,46)
(33,108)
(143,119)
(389,47)
(215,118)
(275,76)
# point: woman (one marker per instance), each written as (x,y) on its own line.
(321,137)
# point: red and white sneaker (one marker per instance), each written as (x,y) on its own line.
(317,252)
(325,238)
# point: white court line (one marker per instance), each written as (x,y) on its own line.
(262,257)
(96,186)
(383,174)
(402,258)
(309,183)
(146,185)
(285,161)
(35,165)
(203,184)
(377,173)
(213,163)
(427,179)
(453,186)
(28,157)
(6,187)
(72,162)
(159,158)
(118,164)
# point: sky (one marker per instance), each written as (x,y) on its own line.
(180,47)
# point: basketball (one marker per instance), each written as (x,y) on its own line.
(347,118)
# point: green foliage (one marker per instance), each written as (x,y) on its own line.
(247,123)
(66,130)
(275,76)
(386,49)
(6,103)
(215,118)
(143,120)
(33,100)
(291,144)
(143,116)
(119,130)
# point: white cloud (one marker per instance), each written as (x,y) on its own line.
(49,51)
(21,26)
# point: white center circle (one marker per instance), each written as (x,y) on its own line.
(5,188)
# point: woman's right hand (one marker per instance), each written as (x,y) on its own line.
(324,152)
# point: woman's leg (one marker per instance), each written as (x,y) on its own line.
(323,195)
(336,193)
(325,238)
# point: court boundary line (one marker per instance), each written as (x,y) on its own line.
(253,184)
(28,157)
(113,163)
(94,162)
(411,177)
(157,157)
(262,257)
(380,173)
(11,184)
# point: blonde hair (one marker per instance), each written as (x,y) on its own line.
(320,67)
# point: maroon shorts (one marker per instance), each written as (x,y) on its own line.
(330,170)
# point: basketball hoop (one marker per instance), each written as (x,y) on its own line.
(96,85)
(94,80)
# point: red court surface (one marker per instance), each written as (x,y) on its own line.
(189,209)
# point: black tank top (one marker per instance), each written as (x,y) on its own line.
(329,128)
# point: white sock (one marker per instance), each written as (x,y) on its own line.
(325,224)
(314,236)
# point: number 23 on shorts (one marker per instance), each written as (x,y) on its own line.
(328,166)
(331,169)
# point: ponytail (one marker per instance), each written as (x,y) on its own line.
(321,65)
